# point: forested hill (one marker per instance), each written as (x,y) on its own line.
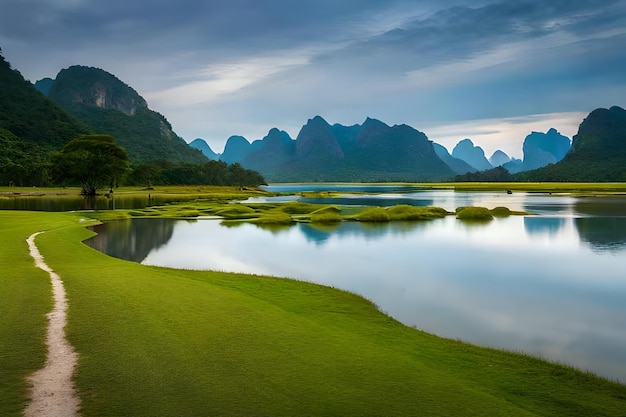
(598,151)
(110,106)
(31,126)
(371,152)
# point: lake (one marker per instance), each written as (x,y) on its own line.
(552,284)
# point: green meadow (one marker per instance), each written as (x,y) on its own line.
(163,342)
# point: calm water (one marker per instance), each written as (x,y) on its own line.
(9,201)
(552,284)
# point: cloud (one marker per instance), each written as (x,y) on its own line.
(217,67)
(211,83)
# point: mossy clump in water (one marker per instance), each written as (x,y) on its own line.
(372,214)
(237,211)
(501,212)
(407,212)
(328,214)
(473,213)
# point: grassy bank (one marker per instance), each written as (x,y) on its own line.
(162,342)
(574,188)
(25,299)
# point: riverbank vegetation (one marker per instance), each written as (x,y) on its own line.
(157,341)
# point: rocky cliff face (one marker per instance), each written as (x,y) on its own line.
(95,87)
(108,105)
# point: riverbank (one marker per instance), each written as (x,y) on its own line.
(156,341)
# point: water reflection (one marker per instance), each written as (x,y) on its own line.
(60,203)
(132,240)
(321,233)
(515,283)
(603,233)
(540,225)
(372,200)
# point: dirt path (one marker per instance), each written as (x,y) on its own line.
(53,394)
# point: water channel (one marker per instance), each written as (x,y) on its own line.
(552,284)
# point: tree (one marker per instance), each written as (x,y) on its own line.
(93,161)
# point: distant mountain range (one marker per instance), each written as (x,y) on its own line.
(322,152)
(87,100)
(369,152)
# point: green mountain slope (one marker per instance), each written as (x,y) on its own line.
(598,151)
(30,116)
(31,126)
(109,106)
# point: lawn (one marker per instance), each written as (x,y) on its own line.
(163,342)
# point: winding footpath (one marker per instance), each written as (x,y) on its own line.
(53,394)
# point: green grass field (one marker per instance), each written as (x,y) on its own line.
(163,342)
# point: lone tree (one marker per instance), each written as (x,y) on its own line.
(94,161)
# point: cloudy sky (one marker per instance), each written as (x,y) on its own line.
(489,70)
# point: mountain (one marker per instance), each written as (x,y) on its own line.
(541,149)
(597,153)
(369,152)
(457,165)
(31,126)
(109,106)
(204,147)
(473,155)
(267,155)
(316,142)
(499,158)
(236,148)
(44,85)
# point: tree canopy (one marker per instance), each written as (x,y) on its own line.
(93,161)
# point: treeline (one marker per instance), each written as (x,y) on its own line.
(498,174)
(23,169)
(208,173)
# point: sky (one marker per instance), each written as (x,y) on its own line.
(492,71)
